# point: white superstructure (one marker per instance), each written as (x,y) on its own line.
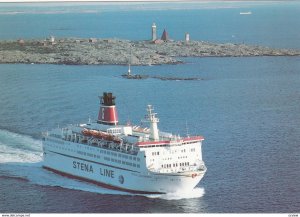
(125,157)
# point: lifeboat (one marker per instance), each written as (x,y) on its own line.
(86,132)
(100,135)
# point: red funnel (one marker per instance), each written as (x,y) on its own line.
(108,112)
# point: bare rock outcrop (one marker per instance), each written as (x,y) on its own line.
(77,51)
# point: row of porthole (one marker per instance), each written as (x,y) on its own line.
(109,159)
(88,154)
(113,154)
(123,162)
(93,155)
(175,165)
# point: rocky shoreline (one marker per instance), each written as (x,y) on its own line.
(79,51)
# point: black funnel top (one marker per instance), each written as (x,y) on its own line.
(108,99)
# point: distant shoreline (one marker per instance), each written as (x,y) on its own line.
(93,51)
(132,1)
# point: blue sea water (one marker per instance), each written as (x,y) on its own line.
(247,108)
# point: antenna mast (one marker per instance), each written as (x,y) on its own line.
(153,120)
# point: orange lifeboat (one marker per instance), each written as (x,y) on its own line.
(86,132)
(100,135)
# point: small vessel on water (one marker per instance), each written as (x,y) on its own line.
(128,75)
(246,13)
(164,78)
(125,157)
(133,76)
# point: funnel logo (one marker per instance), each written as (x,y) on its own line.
(102,113)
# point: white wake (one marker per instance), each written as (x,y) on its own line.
(16,148)
(195,193)
(21,156)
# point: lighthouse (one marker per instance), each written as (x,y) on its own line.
(153,32)
(187,37)
(108,113)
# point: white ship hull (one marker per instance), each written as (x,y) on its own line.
(97,171)
(125,157)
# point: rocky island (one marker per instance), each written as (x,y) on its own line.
(79,51)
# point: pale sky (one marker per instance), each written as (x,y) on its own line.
(12,1)
(17,1)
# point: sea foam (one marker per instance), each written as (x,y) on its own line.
(19,148)
(194,193)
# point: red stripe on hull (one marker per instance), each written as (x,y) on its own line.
(101,184)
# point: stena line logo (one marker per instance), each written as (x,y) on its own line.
(89,168)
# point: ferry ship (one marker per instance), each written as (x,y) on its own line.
(125,157)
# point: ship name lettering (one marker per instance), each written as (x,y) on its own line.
(106,172)
(83,166)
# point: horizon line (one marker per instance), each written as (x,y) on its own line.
(141,1)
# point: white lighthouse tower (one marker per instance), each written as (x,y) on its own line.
(153,32)
(187,37)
